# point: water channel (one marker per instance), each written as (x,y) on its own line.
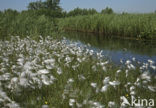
(116,48)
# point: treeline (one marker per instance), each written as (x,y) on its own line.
(79,11)
(51,8)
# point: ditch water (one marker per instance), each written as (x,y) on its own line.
(116,48)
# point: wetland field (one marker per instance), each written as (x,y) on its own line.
(54,73)
(51,58)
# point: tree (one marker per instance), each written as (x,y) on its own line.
(107,10)
(48,4)
(36,5)
(79,11)
(49,8)
(53,4)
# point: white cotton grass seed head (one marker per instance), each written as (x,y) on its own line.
(132,88)
(104,68)
(13,105)
(104,88)
(106,80)
(132,93)
(153,67)
(121,61)
(134,59)
(114,83)
(71,102)
(94,104)
(81,77)
(20,61)
(94,68)
(98,105)
(49,61)
(132,66)
(43,71)
(128,62)
(79,105)
(59,71)
(94,85)
(70,80)
(150,61)
(23,82)
(45,106)
(111,104)
(126,72)
(118,71)
(146,76)
(152,88)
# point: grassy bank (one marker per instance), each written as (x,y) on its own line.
(124,25)
(52,73)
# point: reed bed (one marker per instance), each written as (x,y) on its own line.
(124,25)
(24,24)
(50,73)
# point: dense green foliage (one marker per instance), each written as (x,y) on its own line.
(39,19)
(78,11)
(24,24)
(48,8)
(126,25)
(48,4)
(107,11)
(42,18)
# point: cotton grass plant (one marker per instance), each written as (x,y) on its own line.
(52,73)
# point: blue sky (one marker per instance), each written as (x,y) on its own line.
(137,6)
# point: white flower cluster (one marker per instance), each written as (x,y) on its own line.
(32,64)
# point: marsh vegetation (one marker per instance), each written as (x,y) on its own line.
(52,73)
(139,26)
(41,67)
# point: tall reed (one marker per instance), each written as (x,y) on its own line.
(25,24)
(126,25)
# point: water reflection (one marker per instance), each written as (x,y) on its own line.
(116,48)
